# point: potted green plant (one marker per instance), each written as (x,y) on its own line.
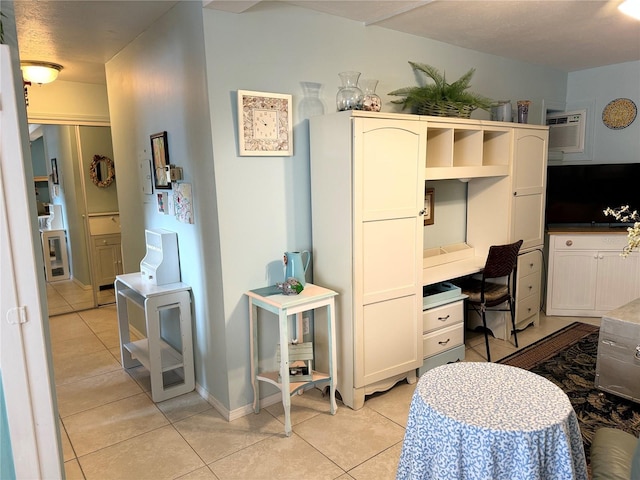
(440,98)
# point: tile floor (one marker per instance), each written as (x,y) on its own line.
(112,430)
(67,296)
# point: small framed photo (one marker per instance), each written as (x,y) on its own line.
(160,154)
(54,171)
(428,206)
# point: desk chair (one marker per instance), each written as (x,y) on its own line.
(501,262)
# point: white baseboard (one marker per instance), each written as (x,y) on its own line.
(231,415)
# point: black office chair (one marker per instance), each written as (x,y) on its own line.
(501,262)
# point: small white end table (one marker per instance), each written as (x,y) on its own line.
(312,297)
(153,352)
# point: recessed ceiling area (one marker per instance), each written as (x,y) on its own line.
(567,35)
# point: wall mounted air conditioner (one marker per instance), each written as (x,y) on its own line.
(566,131)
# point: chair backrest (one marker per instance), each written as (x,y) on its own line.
(501,260)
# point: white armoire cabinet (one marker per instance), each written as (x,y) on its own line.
(367,188)
(368,173)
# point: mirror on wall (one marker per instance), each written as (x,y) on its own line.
(76,189)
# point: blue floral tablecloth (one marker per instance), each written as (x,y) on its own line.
(489,421)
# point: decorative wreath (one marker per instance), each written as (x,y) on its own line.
(619,113)
(95,171)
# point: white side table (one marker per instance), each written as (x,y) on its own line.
(154,352)
(310,298)
(56,259)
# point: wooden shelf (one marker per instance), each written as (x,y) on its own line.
(132,295)
(41,178)
(272,377)
(170,358)
(447,173)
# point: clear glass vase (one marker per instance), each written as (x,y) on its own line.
(371,101)
(349,97)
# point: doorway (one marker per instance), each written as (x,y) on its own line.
(77,163)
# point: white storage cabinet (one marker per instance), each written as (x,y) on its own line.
(367,187)
(588,276)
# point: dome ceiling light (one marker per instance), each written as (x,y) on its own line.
(39,72)
(631,8)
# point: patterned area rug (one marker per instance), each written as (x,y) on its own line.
(568,359)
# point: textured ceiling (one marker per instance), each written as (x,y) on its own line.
(568,35)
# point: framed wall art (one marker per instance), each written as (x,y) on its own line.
(160,154)
(54,171)
(428,206)
(264,124)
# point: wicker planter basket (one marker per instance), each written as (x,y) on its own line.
(446,110)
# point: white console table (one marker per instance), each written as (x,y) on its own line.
(158,356)
(270,299)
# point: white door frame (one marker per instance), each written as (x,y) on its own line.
(25,356)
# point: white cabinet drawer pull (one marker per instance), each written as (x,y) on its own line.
(569,243)
(444,343)
(444,319)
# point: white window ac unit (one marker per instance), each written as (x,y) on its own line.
(566,131)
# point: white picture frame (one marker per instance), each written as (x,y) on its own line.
(265,124)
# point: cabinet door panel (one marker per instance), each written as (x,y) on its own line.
(389,259)
(389,169)
(530,162)
(618,280)
(106,261)
(528,220)
(391,345)
(567,293)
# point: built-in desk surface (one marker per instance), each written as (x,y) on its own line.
(451,270)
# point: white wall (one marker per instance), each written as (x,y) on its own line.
(68,102)
(264,202)
(593,89)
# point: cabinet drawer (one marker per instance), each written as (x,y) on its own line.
(104,224)
(527,307)
(442,316)
(529,263)
(527,286)
(105,240)
(590,242)
(443,339)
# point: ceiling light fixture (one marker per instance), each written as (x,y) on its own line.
(39,72)
(631,8)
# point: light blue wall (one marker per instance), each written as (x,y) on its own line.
(593,89)
(158,83)
(182,75)
(264,202)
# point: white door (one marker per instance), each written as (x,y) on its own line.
(389,163)
(27,378)
(618,280)
(529,178)
(566,292)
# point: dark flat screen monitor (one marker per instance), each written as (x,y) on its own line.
(577,194)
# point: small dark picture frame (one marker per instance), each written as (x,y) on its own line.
(54,171)
(428,206)
(160,153)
